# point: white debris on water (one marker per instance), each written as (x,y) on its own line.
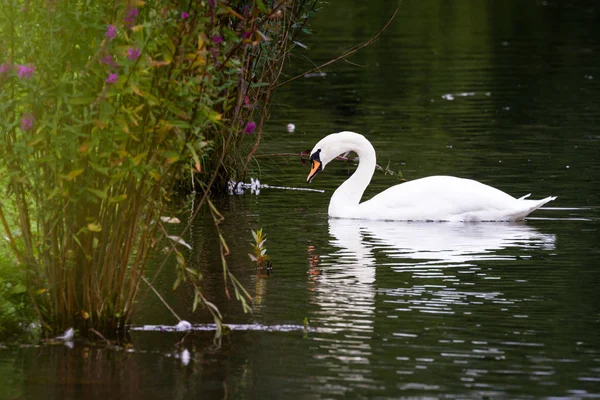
(239,188)
(233,327)
(315,75)
(291,128)
(451,96)
(183,325)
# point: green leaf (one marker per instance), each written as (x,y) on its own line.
(82,100)
(177,282)
(94,227)
(99,193)
(261,6)
(74,174)
(18,289)
(196,300)
(117,199)
(194,156)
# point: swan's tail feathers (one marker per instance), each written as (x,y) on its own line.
(535,204)
(524,197)
(532,205)
(544,201)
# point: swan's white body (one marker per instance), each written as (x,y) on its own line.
(435,198)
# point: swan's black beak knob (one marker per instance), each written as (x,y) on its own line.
(315,166)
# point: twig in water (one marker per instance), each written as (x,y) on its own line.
(161,298)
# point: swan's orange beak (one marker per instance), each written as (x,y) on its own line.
(314,170)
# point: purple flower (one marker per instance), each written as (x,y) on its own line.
(184,15)
(25,71)
(111,32)
(112,78)
(109,60)
(217,39)
(130,16)
(250,127)
(133,54)
(27,122)
(246,35)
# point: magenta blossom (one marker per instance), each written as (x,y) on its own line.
(217,39)
(133,54)
(111,32)
(27,122)
(250,127)
(246,35)
(112,78)
(184,15)
(130,16)
(25,71)
(109,60)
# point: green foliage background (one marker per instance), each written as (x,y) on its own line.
(105,106)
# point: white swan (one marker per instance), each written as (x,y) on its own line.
(435,198)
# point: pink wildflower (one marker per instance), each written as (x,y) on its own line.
(112,78)
(247,101)
(111,32)
(246,35)
(217,39)
(130,16)
(109,60)
(250,127)
(184,15)
(25,71)
(132,53)
(27,122)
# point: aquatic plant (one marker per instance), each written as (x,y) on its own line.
(104,106)
(259,255)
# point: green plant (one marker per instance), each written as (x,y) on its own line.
(104,105)
(260,251)
(16,314)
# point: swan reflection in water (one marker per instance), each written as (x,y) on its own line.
(438,243)
(345,289)
(344,282)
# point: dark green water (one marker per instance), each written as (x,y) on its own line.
(505,92)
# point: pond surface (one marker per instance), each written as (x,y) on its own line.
(505,92)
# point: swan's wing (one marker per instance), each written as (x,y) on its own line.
(440,197)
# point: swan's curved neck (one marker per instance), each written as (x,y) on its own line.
(350,192)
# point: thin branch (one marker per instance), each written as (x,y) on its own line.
(348,52)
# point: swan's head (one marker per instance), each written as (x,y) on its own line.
(329,148)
